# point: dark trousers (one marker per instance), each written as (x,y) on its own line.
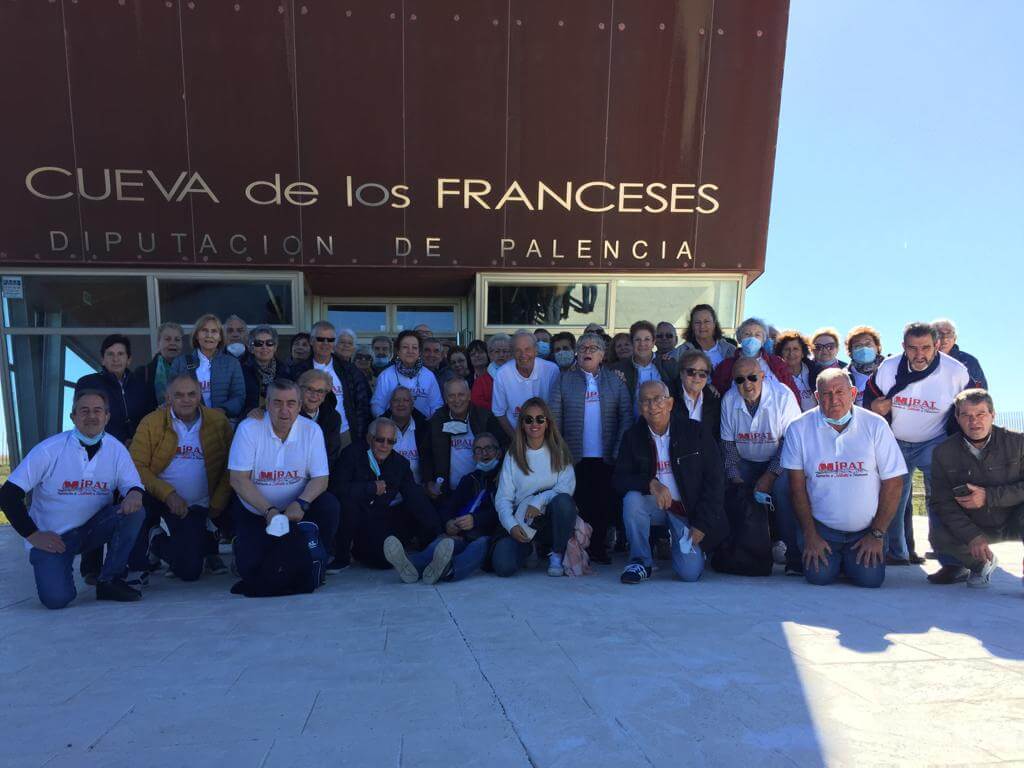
(366,526)
(908,525)
(595,497)
(946,545)
(553,528)
(186,546)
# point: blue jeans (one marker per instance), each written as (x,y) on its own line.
(783,519)
(639,513)
(917,456)
(554,528)
(467,557)
(54,580)
(842,559)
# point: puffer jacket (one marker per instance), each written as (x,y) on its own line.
(568,407)
(227,383)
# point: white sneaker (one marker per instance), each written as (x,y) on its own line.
(394,553)
(779,552)
(555,567)
(981,578)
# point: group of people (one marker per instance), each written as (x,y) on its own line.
(440,461)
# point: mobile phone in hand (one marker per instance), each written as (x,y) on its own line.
(961,490)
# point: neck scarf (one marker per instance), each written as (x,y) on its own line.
(410,371)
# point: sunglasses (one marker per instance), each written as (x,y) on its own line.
(261,343)
(700,373)
(384,440)
(316,391)
(482,449)
(751,377)
(537,419)
(325,339)
(824,347)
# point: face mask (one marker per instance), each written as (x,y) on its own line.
(769,346)
(864,355)
(763,498)
(751,346)
(455,428)
(841,421)
(88,440)
(381,361)
(543,348)
(487,466)
(237,349)
(564,358)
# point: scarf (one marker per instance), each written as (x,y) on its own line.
(870,368)
(160,376)
(410,371)
(266,376)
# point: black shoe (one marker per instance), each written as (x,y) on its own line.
(336,566)
(635,572)
(890,560)
(795,570)
(91,578)
(601,557)
(949,574)
(215,565)
(116,590)
(916,559)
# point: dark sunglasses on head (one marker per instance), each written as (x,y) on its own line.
(532,419)
(752,377)
(325,339)
(384,440)
(261,343)
(698,372)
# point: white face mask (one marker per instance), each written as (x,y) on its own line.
(237,349)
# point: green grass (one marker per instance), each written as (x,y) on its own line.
(5,471)
(918,491)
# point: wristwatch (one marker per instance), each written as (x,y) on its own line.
(303,505)
(268,509)
(875,533)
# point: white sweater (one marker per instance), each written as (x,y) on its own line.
(517,491)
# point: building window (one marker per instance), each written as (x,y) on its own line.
(55,301)
(552,304)
(258,303)
(657,301)
(364,319)
(440,319)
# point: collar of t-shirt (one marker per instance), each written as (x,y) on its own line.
(91,450)
(656,436)
(752,407)
(269,427)
(691,404)
(181,426)
(410,427)
(533,374)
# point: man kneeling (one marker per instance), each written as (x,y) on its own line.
(846,476)
(283,512)
(72,477)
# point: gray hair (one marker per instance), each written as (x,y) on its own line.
(688,358)
(400,388)
(169,326)
(523,333)
(347,332)
(944,321)
(975,396)
(90,393)
(266,329)
(597,339)
(321,324)
(832,373)
(753,321)
(455,380)
(921,329)
(314,374)
(283,385)
(380,421)
(491,342)
(661,385)
(188,376)
(375,339)
(229,318)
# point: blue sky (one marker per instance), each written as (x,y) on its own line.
(898,176)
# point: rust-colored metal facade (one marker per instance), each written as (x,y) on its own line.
(394,92)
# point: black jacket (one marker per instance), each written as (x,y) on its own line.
(422,443)
(329,421)
(147,374)
(253,391)
(440,447)
(485,518)
(356,394)
(667,369)
(696,466)
(358,483)
(128,403)
(710,410)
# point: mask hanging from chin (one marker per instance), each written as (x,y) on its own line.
(237,349)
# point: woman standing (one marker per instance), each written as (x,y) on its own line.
(644,365)
(795,349)
(704,333)
(458,364)
(408,371)
(478,360)
(864,345)
(261,367)
(499,351)
(752,336)
(534,500)
(300,349)
(221,381)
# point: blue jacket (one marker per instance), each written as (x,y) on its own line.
(227,383)
(973,366)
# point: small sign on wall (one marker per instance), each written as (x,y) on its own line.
(12,287)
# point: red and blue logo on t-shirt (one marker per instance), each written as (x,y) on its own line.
(84,487)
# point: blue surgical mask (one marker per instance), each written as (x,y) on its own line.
(864,355)
(763,498)
(88,440)
(564,357)
(769,346)
(487,466)
(543,348)
(841,421)
(381,361)
(751,346)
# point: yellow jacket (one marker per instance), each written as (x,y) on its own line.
(155,443)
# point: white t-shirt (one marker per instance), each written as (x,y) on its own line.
(461,457)
(68,487)
(203,376)
(592,442)
(664,472)
(511,390)
(843,470)
(279,468)
(919,411)
(757,437)
(803,383)
(406,446)
(336,388)
(187,471)
(426,395)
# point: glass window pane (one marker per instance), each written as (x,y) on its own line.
(361,318)
(441,320)
(671,301)
(255,302)
(55,301)
(547,305)
(44,370)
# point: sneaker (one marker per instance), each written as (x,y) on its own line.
(779,552)
(136,579)
(215,565)
(981,577)
(662,549)
(394,553)
(794,570)
(634,573)
(117,590)
(949,574)
(555,567)
(896,561)
(440,562)
(225,546)
(336,566)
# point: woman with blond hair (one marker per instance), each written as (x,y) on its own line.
(220,376)
(534,499)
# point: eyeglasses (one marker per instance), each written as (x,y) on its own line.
(325,339)
(384,440)
(315,391)
(751,377)
(589,349)
(824,347)
(946,334)
(481,449)
(267,343)
(652,402)
(700,373)
(532,419)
